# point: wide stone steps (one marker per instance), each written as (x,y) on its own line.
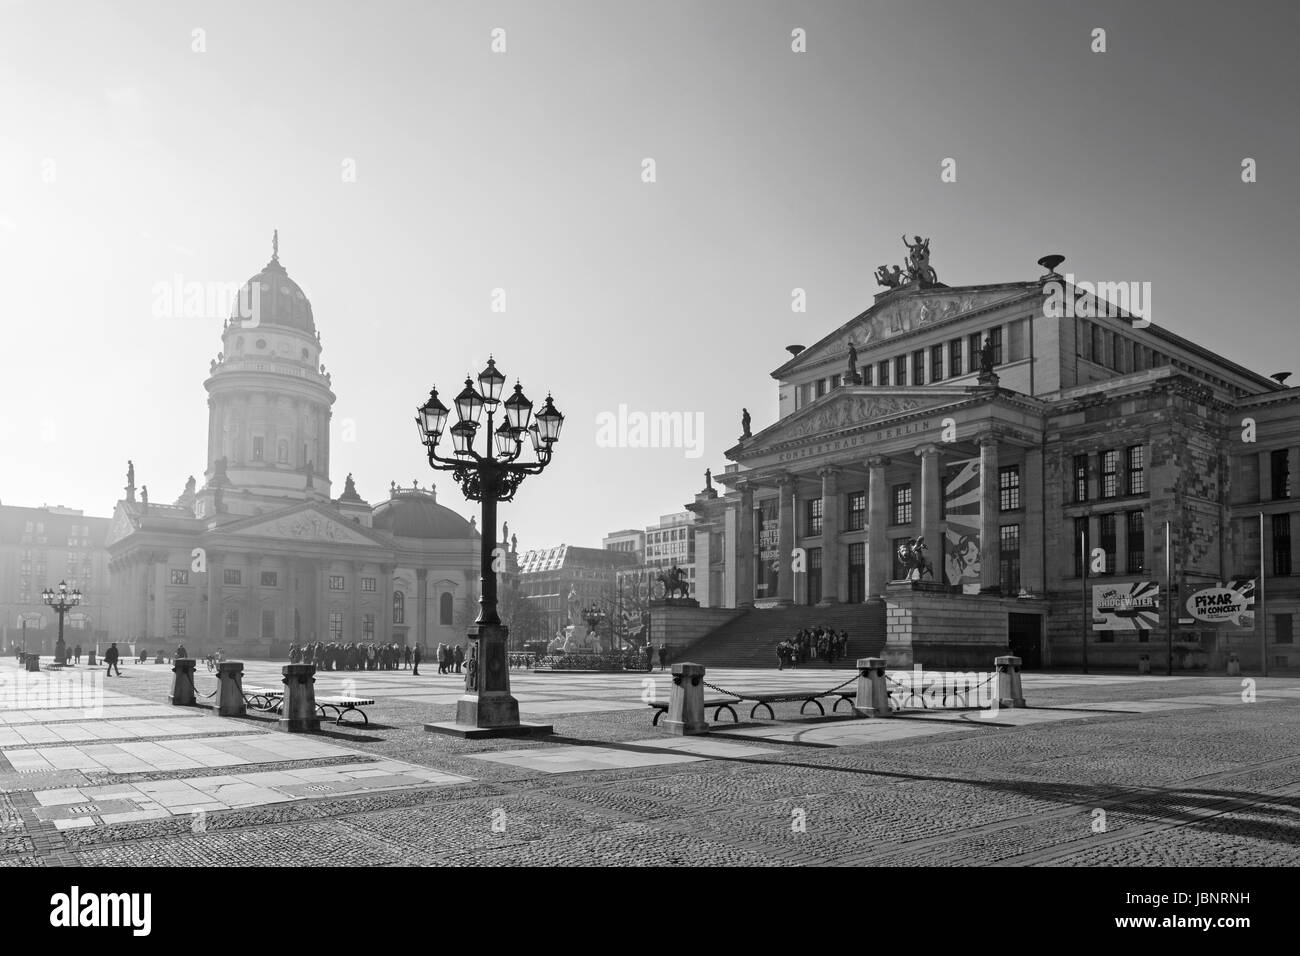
(750,640)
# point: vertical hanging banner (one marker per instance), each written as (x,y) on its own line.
(1126,607)
(1225,606)
(769,554)
(962,507)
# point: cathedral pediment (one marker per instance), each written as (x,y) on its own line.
(122,526)
(306,524)
(896,315)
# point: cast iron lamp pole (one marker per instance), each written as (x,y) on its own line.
(60,600)
(488,709)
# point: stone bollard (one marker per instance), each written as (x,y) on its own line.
(1144,664)
(182,682)
(1234,666)
(34,662)
(90,657)
(686,707)
(873,695)
(1009,692)
(230,699)
(299,709)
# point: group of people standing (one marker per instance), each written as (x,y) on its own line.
(812,643)
(353,656)
(450,657)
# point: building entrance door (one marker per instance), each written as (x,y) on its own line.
(1025,636)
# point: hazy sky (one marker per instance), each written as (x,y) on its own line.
(126,159)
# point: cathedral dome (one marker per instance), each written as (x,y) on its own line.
(281,301)
(415,513)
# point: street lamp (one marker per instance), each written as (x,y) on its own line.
(488,709)
(61,600)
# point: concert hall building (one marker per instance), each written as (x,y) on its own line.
(1014,436)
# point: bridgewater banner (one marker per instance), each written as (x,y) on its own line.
(1126,607)
(1224,606)
(961,506)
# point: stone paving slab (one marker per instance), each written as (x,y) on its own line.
(575,759)
(845,733)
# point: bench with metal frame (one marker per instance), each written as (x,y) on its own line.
(344,705)
(719,704)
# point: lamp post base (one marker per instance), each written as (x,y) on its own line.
(490,710)
(471,732)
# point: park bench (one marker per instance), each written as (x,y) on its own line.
(766,700)
(719,704)
(343,705)
(263,698)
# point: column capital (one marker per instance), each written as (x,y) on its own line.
(829,471)
(785,480)
(988,438)
(877,461)
(927,451)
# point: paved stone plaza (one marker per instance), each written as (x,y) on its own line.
(1184,770)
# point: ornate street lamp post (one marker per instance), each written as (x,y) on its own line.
(488,709)
(592,615)
(61,600)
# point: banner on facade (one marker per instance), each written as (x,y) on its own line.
(769,554)
(1224,606)
(1126,607)
(962,495)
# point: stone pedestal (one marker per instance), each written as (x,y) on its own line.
(33,662)
(230,699)
(299,710)
(1009,692)
(182,681)
(686,706)
(1144,664)
(1234,666)
(873,691)
(90,657)
(488,709)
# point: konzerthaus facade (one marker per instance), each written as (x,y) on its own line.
(1092,426)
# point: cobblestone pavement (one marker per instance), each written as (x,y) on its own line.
(1101,770)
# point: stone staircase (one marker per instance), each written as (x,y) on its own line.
(750,640)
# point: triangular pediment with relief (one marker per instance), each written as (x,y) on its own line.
(847,409)
(304,524)
(121,527)
(897,315)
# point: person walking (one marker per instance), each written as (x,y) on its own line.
(110,658)
(663,656)
(415,672)
(458,656)
(780,655)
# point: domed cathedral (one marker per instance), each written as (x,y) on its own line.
(261,555)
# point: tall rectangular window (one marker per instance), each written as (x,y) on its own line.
(974,343)
(368,626)
(882,372)
(270,579)
(857,510)
(1281,474)
(857,573)
(820,387)
(1106,528)
(1109,474)
(1282,544)
(918,367)
(1084,344)
(178,622)
(1098,345)
(268,625)
(1009,558)
(232,622)
(1080,478)
(836,380)
(336,582)
(814,575)
(814,522)
(367,584)
(1282,633)
(1078,546)
(902,504)
(1018,340)
(954,358)
(180,576)
(995,338)
(900,371)
(936,363)
(1137,542)
(866,373)
(336,626)
(1137,478)
(1009,488)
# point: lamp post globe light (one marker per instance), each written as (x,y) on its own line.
(488,709)
(61,599)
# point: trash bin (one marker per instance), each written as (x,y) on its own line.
(32,662)
(1234,666)
(1144,664)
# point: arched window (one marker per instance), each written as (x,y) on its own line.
(399,607)
(445,608)
(282,451)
